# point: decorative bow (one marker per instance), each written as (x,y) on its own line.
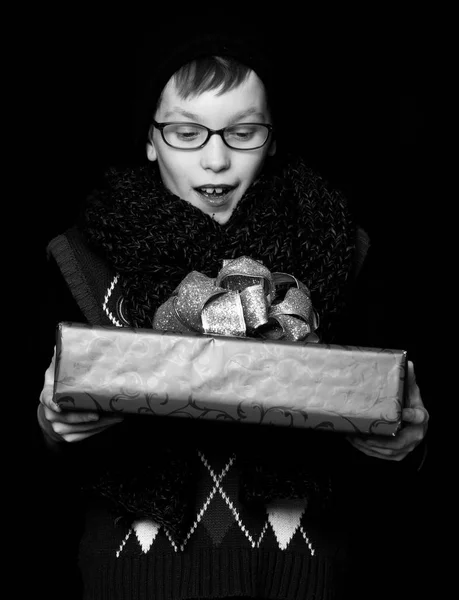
(245,299)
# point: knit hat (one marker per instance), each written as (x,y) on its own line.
(243,49)
(159,60)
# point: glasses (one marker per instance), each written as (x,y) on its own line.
(191,136)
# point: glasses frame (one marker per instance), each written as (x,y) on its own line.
(210,133)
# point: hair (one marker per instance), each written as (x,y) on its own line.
(208,73)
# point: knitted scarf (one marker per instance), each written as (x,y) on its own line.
(288,219)
(293,223)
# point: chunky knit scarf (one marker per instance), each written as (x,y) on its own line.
(291,222)
(288,219)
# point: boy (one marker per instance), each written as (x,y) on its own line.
(180,510)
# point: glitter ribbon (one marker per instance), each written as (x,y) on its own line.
(245,299)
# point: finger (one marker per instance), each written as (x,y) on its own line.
(384,454)
(389,451)
(361,447)
(49,405)
(46,398)
(371,447)
(394,457)
(50,371)
(400,438)
(415,416)
(70,416)
(80,436)
(389,446)
(69,429)
(407,438)
(379,441)
(66,428)
(414,393)
(401,442)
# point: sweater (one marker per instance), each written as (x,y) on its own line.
(230,548)
(234,544)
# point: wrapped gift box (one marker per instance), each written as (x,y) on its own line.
(240,379)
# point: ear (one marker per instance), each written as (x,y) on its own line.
(272,148)
(150,147)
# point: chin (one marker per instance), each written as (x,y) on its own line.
(222,217)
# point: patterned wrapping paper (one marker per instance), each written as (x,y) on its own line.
(240,379)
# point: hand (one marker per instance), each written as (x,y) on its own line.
(408,437)
(68,426)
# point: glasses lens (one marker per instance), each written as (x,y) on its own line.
(246,135)
(184,135)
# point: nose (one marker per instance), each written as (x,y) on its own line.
(215,155)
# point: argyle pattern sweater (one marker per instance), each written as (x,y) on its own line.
(274,550)
(229,550)
(278,549)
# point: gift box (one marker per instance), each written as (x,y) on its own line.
(230,378)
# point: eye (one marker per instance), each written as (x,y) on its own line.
(188,133)
(184,132)
(242,132)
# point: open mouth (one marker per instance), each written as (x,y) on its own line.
(214,192)
(215,195)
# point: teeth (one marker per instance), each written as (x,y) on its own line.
(213,190)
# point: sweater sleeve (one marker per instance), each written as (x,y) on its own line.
(58,304)
(55,304)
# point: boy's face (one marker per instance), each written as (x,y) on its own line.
(184,172)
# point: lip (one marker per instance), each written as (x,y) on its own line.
(216,185)
(221,200)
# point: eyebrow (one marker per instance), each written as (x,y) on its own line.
(234,118)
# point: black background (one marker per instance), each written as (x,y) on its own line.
(360,98)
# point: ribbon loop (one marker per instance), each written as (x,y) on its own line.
(192,295)
(239,273)
(244,299)
(255,307)
(224,315)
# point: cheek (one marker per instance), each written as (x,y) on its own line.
(172,170)
(250,169)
